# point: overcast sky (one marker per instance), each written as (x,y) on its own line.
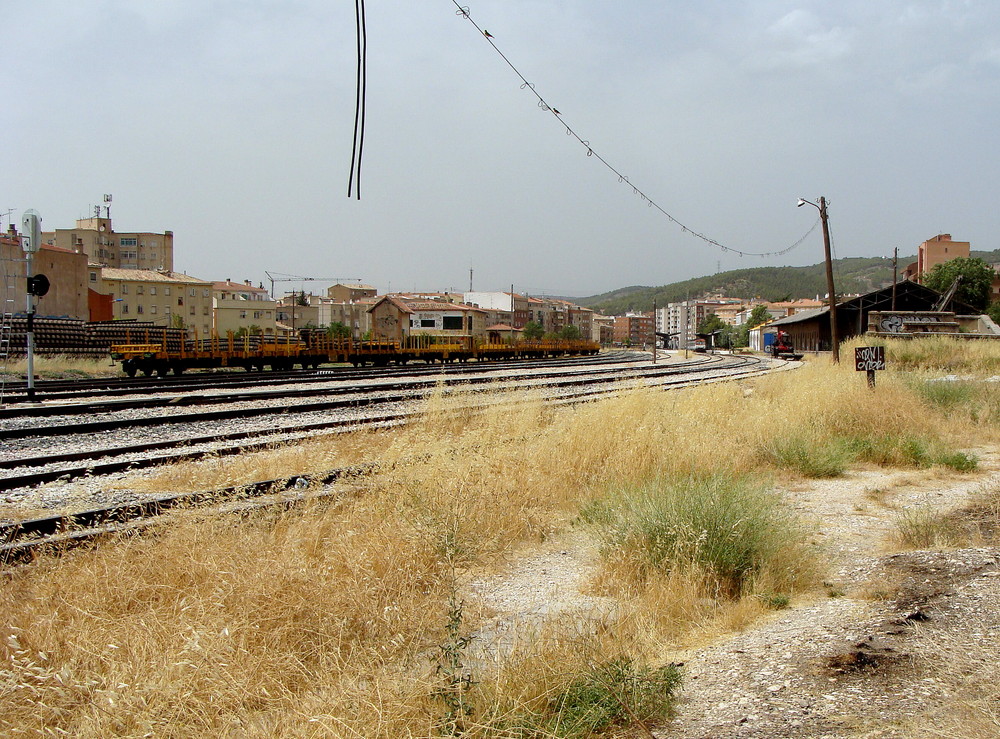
(230,122)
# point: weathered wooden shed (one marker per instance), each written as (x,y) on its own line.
(810,330)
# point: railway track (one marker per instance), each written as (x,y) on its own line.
(49,390)
(19,472)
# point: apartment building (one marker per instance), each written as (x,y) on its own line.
(341,293)
(106,247)
(164,298)
(66,271)
(935,251)
(241,306)
(634,329)
(602,329)
(509,307)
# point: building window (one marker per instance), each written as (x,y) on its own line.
(205,293)
(180,300)
(93,277)
(152,289)
(192,310)
(124,289)
(243,314)
(205,311)
(139,290)
(193,292)
(124,308)
(138,309)
(128,241)
(152,309)
(451,323)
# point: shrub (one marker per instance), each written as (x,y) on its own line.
(818,459)
(732,529)
(611,694)
(924,528)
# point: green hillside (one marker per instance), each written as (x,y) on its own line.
(852,275)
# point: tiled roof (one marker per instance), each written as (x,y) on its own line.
(237,287)
(148,275)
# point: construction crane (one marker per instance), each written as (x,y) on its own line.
(280,277)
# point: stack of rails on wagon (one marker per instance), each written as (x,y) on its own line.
(159,351)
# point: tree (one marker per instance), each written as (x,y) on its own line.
(994,311)
(301,298)
(338,330)
(710,324)
(732,337)
(569,332)
(251,330)
(976,284)
(760,314)
(532,331)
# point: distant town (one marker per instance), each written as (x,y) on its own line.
(97,274)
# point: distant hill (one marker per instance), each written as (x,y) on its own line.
(851,274)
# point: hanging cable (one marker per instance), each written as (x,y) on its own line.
(359,103)
(463,11)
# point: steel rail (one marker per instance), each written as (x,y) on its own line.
(21,540)
(110,406)
(111,386)
(298,432)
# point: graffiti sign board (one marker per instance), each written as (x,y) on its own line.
(869,358)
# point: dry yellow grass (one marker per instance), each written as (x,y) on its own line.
(56,366)
(328,620)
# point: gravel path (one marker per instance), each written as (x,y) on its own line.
(843,663)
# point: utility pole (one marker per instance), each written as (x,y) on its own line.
(895,279)
(654,330)
(824,219)
(834,338)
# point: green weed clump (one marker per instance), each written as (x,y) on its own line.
(945,394)
(811,458)
(925,528)
(975,400)
(732,530)
(832,456)
(611,695)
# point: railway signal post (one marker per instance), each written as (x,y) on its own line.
(31,229)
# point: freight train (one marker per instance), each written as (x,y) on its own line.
(161,351)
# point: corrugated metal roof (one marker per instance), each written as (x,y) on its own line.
(804,315)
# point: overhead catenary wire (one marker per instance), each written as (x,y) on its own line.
(354,181)
(464,12)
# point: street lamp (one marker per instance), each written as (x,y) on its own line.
(824,218)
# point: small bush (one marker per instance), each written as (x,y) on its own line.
(775,601)
(732,529)
(944,394)
(958,461)
(609,695)
(925,528)
(816,460)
